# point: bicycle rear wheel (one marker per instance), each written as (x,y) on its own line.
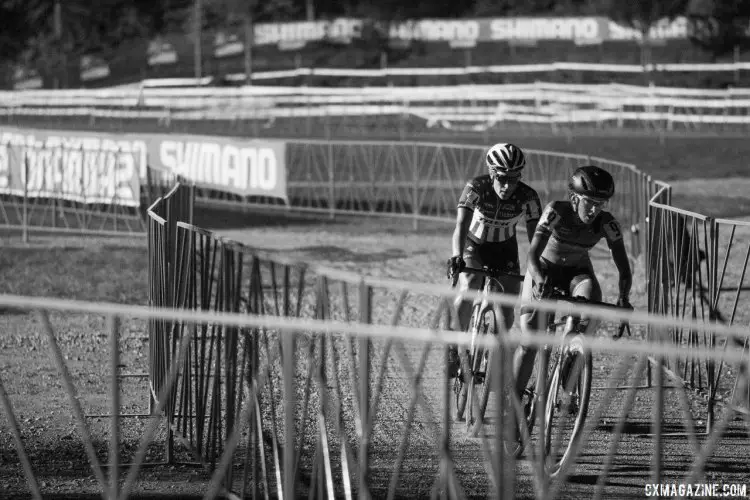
(566,407)
(479,384)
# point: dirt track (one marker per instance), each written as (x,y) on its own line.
(386,249)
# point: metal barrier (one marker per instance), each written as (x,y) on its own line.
(325,377)
(693,273)
(163,261)
(422,181)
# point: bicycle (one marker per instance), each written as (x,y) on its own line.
(470,386)
(569,369)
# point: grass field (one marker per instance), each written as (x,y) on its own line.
(116,270)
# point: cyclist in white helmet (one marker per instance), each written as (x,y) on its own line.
(489,209)
(559,256)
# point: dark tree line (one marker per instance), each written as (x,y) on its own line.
(55,29)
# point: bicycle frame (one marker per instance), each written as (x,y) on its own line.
(475,365)
(491,283)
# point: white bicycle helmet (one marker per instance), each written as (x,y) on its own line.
(505,158)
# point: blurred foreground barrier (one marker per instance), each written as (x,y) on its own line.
(339,391)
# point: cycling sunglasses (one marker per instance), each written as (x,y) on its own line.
(509,178)
(594,202)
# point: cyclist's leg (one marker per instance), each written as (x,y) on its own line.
(531,321)
(466,282)
(511,286)
(504,256)
(584,284)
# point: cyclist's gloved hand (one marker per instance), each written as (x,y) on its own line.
(540,289)
(624,303)
(455,265)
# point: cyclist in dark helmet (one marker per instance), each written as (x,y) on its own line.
(559,255)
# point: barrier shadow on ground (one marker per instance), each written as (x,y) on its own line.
(340,254)
(222,218)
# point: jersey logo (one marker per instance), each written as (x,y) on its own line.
(613,230)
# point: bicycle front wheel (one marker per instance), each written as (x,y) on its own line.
(479,384)
(567,404)
(463,378)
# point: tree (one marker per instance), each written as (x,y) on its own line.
(720,26)
(14,31)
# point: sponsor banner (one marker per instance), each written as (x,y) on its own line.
(248,167)
(81,167)
(160,52)
(93,68)
(582,30)
(227,44)
(664,29)
(89,167)
(295,35)
(26,79)
(463,33)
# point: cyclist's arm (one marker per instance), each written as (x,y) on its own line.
(531,228)
(616,243)
(463,219)
(538,242)
(549,219)
(532,214)
(620,256)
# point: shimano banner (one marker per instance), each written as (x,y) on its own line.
(89,167)
(248,167)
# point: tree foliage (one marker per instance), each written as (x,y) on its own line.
(28,28)
(718,26)
(644,14)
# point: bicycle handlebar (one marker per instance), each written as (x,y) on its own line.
(559,294)
(491,273)
(556,293)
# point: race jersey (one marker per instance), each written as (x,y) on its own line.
(494,220)
(570,239)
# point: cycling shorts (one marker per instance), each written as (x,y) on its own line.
(564,277)
(502,255)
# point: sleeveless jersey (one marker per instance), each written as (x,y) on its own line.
(570,239)
(494,220)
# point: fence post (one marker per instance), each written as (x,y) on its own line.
(114,450)
(737,64)
(713,307)
(290,403)
(54,193)
(25,223)
(331,183)
(365,316)
(415,192)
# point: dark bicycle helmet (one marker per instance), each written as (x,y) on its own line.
(592,182)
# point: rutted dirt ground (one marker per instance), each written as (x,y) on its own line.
(387,249)
(377,248)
